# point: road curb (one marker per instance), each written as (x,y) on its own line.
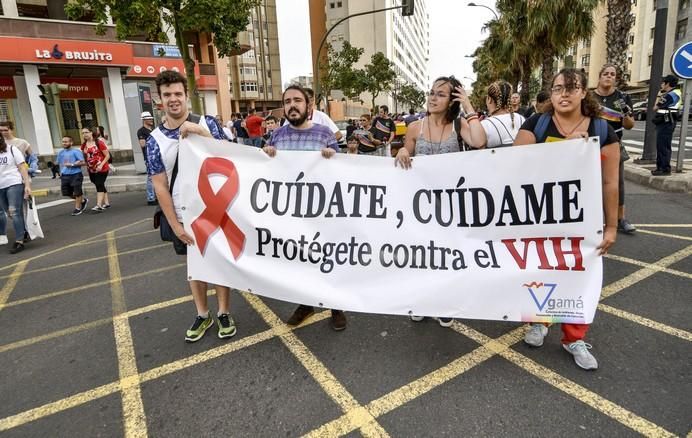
(677,182)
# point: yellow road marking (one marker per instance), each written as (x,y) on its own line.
(89,260)
(161,371)
(673,236)
(88,286)
(58,406)
(133,408)
(645,273)
(97,323)
(73,245)
(680,333)
(329,383)
(11,283)
(39,193)
(648,265)
(589,398)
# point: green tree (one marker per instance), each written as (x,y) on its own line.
(338,73)
(378,76)
(411,95)
(620,21)
(552,27)
(223,19)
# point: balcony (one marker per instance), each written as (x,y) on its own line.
(43,28)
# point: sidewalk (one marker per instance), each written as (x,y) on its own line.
(126,179)
(676,182)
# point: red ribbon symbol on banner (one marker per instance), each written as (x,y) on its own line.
(215,215)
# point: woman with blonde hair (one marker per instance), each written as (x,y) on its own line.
(503,123)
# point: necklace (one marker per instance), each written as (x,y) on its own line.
(432,143)
(565,133)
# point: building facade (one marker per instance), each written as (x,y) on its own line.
(404,40)
(591,54)
(99,81)
(255,76)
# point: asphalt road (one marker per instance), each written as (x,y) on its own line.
(634,140)
(92,321)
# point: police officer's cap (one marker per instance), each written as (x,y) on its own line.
(671,80)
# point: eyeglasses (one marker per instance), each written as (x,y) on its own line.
(559,89)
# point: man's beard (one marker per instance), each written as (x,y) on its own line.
(299,121)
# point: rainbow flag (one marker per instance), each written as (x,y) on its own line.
(610,114)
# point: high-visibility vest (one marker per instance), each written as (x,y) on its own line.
(676,95)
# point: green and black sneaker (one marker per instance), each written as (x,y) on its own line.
(226,326)
(199,328)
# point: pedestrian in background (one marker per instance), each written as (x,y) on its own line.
(239,130)
(616,109)
(367,143)
(667,108)
(573,112)
(143,134)
(15,186)
(253,125)
(383,126)
(96,155)
(541,98)
(71,161)
(30,159)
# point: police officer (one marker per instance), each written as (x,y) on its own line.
(667,109)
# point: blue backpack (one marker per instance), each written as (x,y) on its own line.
(543,121)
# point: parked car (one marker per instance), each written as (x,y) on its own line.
(639,110)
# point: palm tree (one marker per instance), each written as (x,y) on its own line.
(554,26)
(620,21)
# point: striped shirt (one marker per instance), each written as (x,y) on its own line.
(314,138)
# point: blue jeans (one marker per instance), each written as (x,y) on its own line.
(12,203)
(664,141)
(151,195)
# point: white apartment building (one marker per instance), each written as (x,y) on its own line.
(404,40)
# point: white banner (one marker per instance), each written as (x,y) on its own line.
(502,234)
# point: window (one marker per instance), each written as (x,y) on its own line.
(681,29)
(683,4)
(585,60)
(331,5)
(586,43)
(338,4)
(629,58)
(248,71)
(652,33)
(248,86)
(631,39)
(650,60)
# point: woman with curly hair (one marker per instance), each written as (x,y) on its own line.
(573,112)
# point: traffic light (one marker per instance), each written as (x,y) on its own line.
(50,93)
(407,7)
(46,94)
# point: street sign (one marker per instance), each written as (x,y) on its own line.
(681,62)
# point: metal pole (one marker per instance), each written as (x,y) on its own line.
(683,129)
(316,67)
(649,153)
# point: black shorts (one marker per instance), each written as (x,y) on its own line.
(71,185)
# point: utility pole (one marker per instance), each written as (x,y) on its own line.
(649,153)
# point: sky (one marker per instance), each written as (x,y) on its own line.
(455,31)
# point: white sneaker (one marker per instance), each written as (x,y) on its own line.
(534,336)
(445,322)
(413,317)
(3,240)
(582,357)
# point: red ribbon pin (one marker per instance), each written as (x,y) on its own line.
(215,215)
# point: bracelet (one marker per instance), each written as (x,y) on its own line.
(470,119)
(470,115)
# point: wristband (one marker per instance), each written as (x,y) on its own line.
(470,115)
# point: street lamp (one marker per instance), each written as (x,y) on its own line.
(486,7)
